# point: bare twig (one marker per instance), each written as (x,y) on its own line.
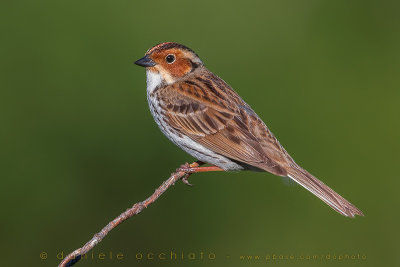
(75,256)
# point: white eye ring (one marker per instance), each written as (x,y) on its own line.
(170,59)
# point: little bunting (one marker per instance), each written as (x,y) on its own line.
(204,116)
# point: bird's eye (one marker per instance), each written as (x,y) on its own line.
(170,59)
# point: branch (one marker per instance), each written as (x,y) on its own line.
(181,173)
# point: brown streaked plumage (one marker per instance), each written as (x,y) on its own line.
(204,116)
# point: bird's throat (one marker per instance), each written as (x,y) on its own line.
(154,80)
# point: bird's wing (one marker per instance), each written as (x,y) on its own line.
(214,120)
(208,111)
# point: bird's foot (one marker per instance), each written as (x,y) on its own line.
(187,169)
(185,179)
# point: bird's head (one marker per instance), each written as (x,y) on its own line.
(171,61)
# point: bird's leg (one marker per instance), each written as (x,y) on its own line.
(195,167)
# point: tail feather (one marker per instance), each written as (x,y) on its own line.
(324,192)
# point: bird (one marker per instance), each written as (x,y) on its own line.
(200,113)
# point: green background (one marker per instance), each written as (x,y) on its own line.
(78,144)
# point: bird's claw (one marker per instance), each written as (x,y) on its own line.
(185,180)
(186,168)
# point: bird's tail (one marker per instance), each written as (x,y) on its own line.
(324,192)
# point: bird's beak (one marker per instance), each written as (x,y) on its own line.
(145,61)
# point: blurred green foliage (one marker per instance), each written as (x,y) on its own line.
(78,144)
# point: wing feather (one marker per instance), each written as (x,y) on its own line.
(220,126)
